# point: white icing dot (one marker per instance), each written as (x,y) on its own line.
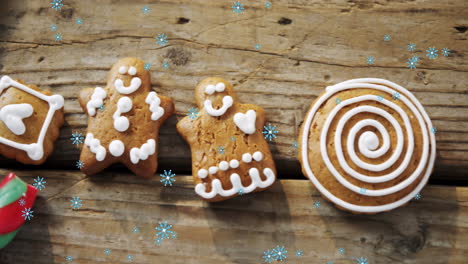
(246,157)
(202,173)
(132,71)
(210,89)
(124,104)
(116,148)
(213,170)
(223,165)
(258,156)
(220,87)
(234,163)
(122,69)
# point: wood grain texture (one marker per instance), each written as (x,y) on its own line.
(431,230)
(305,46)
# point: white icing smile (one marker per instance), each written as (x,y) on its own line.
(227,103)
(135,83)
(12,115)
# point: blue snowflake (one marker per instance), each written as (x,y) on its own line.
(192,113)
(166,65)
(445,52)
(101,107)
(387,37)
(280,253)
(147,66)
(69,258)
(167,177)
(415,58)
(418,196)
(299,253)
(396,96)
(412,62)
(107,252)
(338,101)
(161,39)
(295,145)
(370,60)
(233,138)
(39,183)
(268,256)
(146,10)
(76,202)
(363,190)
(53,27)
(411,47)
(22,202)
(240,192)
(58,37)
(174,235)
(27,214)
(329,262)
(362,260)
(158,241)
(257,46)
(433,130)
(270,132)
(267,5)
(79,164)
(220,150)
(136,230)
(380,98)
(164,230)
(77,138)
(432,53)
(79,21)
(130,257)
(341,251)
(56,4)
(317,204)
(237,7)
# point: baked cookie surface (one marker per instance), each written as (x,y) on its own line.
(30,120)
(230,156)
(367,146)
(124,120)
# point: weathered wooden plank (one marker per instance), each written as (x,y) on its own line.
(431,230)
(305,46)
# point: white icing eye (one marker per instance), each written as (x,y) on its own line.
(210,89)
(246,157)
(234,163)
(132,71)
(258,156)
(220,87)
(223,165)
(122,69)
(202,173)
(213,170)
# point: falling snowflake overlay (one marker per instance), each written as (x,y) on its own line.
(418,196)
(56,4)
(240,192)
(77,138)
(280,253)
(161,39)
(370,60)
(431,53)
(270,132)
(76,202)
(237,7)
(69,258)
(53,27)
(220,150)
(167,178)
(317,204)
(412,62)
(268,5)
(79,21)
(411,47)
(27,214)
(101,107)
(147,66)
(257,46)
(299,253)
(107,252)
(79,164)
(396,96)
(379,97)
(233,138)
(329,262)
(164,231)
(268,256)
(445,52)
(39,183)
(387,37)
(146,9)
(58,37)
(129,257)
(166,65)
(362,260)
(22,202)
(295,145)
(433,130)
(341,251)
(363,190)
(136,230)
(338,101)
(192,113)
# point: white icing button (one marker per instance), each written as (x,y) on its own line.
(116,148)
(122,69)
(132,71)
(220,87)
(246,157)
(124,104)
(223,165)
(213,170)
(202,173)
(258,156)
(210,89)
(234,163)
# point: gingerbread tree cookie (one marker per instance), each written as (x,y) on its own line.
(230,157)
(124,120)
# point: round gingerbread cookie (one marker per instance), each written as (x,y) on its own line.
(367,145)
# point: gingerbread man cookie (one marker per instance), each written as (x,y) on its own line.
(230,157)
(127,128)
(30,120)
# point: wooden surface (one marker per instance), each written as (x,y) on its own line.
(432,230)
(305,46)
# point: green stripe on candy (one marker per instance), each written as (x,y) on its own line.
(12,191)
(5,239)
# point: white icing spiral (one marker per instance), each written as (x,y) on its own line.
(368,142)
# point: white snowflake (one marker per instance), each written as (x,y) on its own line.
(22,202)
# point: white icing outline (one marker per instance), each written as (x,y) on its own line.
(154,105)
(124,105)
(97,99)
(12,116)
(35,150)
(413,104)
(217,188)
(246,122)
(227,103)
(95,147)
(143,152)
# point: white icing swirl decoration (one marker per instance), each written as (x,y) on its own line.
(368,143)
